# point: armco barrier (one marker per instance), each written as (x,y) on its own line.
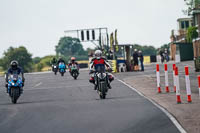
(147,60)
(113,64)
(83,64)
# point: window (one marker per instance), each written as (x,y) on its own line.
(182,25)
(186,24)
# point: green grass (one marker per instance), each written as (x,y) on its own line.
(1,71)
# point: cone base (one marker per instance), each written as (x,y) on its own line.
(178,99)
(174,88)
(159,90)
(167,89)
(189,99)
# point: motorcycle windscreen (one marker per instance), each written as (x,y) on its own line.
(74,66)
(61,65)
(100,68)
(15,77)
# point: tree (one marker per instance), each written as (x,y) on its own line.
(20,54)
(146,50)
(191,34)
(149,50)
(191,4)
(69,46)
(36,60)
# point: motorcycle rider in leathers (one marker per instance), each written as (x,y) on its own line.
(95,62)
(14,69)
(73,62)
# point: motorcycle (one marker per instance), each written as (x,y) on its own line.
(62,68)
(165,57)
(101,81)
(15,85)
(54,69)
(74,71)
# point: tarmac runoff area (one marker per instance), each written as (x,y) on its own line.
(187,114)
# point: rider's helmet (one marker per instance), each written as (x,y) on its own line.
(135,50)
(60,58)
(73,59)
(98,54)
(14,64)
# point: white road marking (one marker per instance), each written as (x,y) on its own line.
(171,117)
(38,84)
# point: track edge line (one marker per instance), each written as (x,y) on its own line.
(168,114)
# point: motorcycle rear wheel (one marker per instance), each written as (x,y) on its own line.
(62,74)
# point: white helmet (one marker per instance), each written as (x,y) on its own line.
(98,54)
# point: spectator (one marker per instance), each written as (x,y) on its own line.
(161,55)
(135,59)
(166,53)
(141,59)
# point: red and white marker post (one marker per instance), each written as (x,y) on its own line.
(178,94)
(166,79)
(158,78)
(199,84)
(187,81)
(174,67)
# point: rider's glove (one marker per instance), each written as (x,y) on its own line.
(109,69)
(91,71)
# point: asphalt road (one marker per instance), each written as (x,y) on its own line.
(55,104)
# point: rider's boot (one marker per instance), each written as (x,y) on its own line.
(21,90)
(95,87)
(111,78)
(6,85)
(109,86)
(93,82)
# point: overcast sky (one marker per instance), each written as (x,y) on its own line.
(39,24)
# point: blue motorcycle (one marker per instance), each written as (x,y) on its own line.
(62,68)
(15,85)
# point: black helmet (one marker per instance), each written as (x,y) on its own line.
(14,64)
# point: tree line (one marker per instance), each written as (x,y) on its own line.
(66,47)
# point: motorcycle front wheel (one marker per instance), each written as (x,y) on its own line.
(15,92)
(103,90)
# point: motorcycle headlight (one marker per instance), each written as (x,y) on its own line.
(13,83)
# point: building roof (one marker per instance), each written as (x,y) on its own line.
(183,19)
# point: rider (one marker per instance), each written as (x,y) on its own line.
(60,60)
(14,69)
(95,62)
(53,61)
(73,62)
